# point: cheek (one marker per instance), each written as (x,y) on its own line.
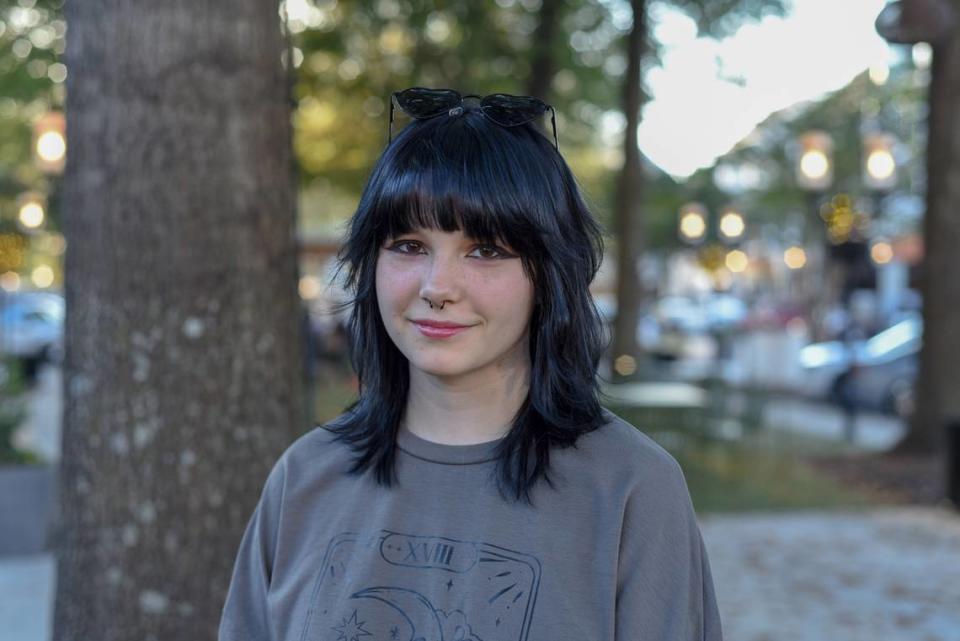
(393,287)
(510,300)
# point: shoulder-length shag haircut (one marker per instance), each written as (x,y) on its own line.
(493,183)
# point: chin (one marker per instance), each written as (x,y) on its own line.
(442,367)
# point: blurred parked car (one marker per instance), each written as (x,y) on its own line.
(883,372)
(725,312)
(877,373)
(676,327)
(823,363)
(31,328)
(682,327)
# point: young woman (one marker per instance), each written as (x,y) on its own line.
(477,490)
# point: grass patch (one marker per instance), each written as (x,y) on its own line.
(12,412)
(333,391)
(760,470)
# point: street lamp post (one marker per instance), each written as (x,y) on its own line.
(880,177)
(814,174)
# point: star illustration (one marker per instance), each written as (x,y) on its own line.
(351,630)
(394,632)
(449,584)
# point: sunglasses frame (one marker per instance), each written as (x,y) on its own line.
(458,109)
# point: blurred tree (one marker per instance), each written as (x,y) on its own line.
(353,55)
(938,382)
(182,374)
(713,17)
(31,83)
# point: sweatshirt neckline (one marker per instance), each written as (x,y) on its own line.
(444,453)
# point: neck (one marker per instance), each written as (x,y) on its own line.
(468,409)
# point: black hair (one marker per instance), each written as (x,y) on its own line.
(495,184)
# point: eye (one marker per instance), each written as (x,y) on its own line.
(491,252)
(406,247)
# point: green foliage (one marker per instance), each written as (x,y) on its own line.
(354,56)
(12,412)
(896,107)
(31,46)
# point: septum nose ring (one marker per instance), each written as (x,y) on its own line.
(430,302)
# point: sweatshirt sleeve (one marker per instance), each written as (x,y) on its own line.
(665,588)
(244,615)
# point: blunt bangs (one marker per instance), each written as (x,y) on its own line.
(449,175)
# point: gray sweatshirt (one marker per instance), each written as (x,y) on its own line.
(611,553)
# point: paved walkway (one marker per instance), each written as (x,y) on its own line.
(882,575)
(872,432)
(26,597)
(40,430)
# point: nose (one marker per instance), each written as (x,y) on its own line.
(441,282)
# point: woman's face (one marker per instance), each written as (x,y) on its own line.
(483,289)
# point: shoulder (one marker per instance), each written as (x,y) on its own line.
(316,445)
(311,457)
(617,463)
(623,444)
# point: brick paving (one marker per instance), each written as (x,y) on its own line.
(891,574)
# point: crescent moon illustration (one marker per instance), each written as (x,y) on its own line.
(403,600)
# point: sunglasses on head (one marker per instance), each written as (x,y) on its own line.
(421,103)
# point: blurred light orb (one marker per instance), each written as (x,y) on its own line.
(57,72)
(737,261)
(51,146)
(879,74)
(625,365)
(881,252)
(438,27)
(731,224)
(309,287)
(922,55)
(31,214)
(795,257)
(10,281)
(42,276)
(880,164)
(693,225)
(53,244)
(814,164)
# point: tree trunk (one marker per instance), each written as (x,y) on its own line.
(543,64)
(182,377)
(938,383)
(628,221)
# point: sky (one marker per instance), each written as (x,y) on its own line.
(695,116)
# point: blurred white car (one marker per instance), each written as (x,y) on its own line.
(881,368)
(31,328)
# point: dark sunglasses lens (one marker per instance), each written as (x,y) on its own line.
(426,103)
(509,111)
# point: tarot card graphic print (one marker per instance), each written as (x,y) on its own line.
(404,587)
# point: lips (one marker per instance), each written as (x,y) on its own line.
(437,329)
(438,324)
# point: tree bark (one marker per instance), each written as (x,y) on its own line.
(938,382)
(543,64)
(182,376)
(628,221)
